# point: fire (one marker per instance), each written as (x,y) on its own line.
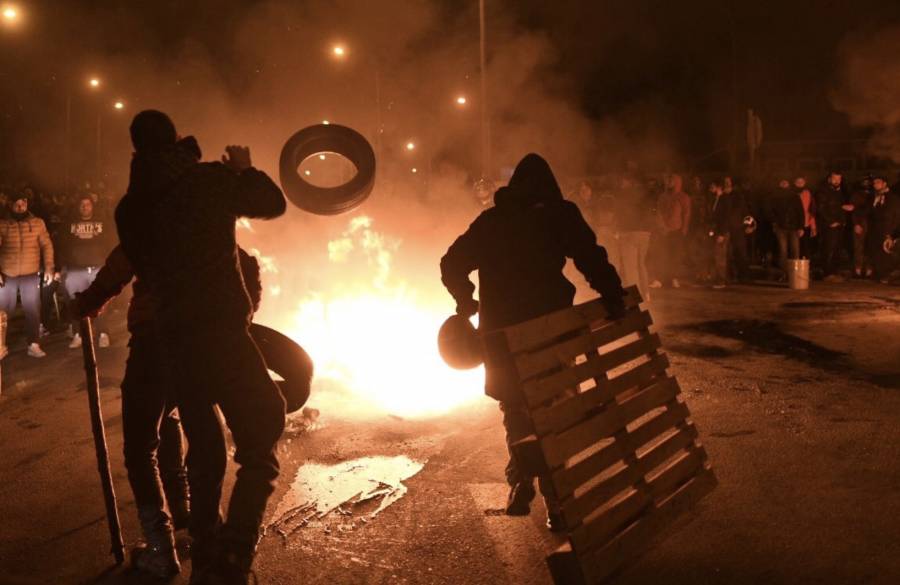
(372,336)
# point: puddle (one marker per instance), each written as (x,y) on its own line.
(766,337)
(349,492)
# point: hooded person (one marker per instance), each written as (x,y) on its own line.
(176,226)
(519,248)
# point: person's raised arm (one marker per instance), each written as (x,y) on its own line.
(252,193)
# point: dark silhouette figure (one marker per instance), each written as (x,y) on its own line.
(177,227)
(519,248)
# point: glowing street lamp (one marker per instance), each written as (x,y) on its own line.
(10,14)
(326,122)
(119,105)
(94,82)
(410,146)
(461,100)
(415,170)
(339,51)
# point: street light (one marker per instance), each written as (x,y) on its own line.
(461,100)
(410,145)
(94,82)
(119,105)
(10,14)
(339,51)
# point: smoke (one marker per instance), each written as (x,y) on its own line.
(867,86)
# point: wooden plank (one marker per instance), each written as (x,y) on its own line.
(678,472)
(566,480)
(534,363)
(534,333)
(545,387)
(560,447)
(603,563)
(565,569)
(562,415)
(575,510)
(604,527)
(667,449)
(674,415)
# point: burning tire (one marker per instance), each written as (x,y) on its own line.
(287,359)
(327,138)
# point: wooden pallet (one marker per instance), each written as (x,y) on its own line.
(611,431)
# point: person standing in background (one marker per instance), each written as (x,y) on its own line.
(84,245)
(673,217)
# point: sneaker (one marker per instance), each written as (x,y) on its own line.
(675,283)
(103,341)
(520,496)
(35,351)
(160,562)
(76,342)
(656,284)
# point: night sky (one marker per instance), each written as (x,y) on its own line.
(652,66)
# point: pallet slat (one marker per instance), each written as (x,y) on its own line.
(603,528)
(600,564)
(532,364)
(558,448)
(534,333)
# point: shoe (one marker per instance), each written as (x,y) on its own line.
(76,342)
(231,565)
(157,556)
(675,283)
(520,496)
(656,284)
(103,341)
(35,351)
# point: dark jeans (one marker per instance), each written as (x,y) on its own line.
(829,245)
(29,288)
(152,432)
(222,366)
(788,246)
(518,425)
(738,252)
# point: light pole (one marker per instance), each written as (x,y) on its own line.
(485,120)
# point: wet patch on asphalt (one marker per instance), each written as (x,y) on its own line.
(344,495)
(767,337)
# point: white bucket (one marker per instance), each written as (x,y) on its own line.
(798,274)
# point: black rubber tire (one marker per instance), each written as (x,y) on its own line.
(327,138)
(287,359)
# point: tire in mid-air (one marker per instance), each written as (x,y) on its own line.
(323,138)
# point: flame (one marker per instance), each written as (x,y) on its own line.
(373,337)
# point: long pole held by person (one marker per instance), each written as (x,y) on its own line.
(93,392)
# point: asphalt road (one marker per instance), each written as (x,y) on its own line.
(796,396)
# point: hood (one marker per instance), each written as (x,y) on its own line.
(153,172)
(531,183)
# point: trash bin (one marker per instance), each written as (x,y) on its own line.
(798,274)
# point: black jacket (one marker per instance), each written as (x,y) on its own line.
(828,207)
(727,213)
(787,210)
(85,242)
(519,248)
(884,220)
(177,228)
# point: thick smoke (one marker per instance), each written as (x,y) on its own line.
(868,85)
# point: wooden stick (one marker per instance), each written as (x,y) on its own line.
(93,392)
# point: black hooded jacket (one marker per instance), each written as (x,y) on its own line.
(519,248)
(177,228)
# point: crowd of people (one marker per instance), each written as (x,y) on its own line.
(51,248)
(720,231)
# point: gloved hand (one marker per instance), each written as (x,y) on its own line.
(466,307)
(79,310)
